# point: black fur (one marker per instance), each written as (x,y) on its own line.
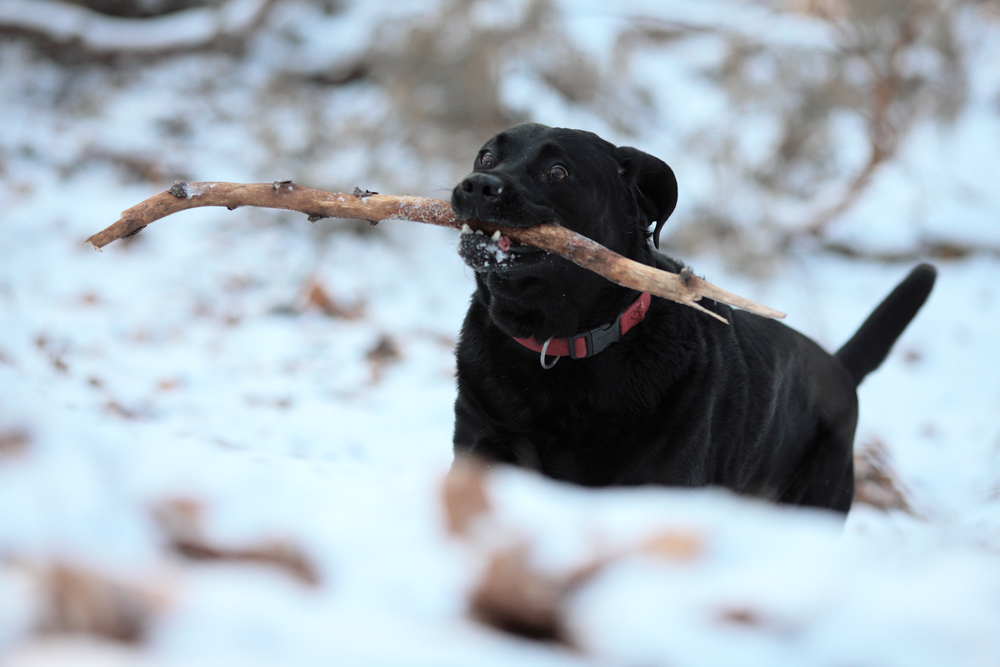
(683,399)
(868,348)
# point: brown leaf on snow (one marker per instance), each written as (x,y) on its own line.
(741,616)
(513,597)
(179,519)
(168,384)
(14,444)
(675,545)
(279,553)
(876,483)
(385,351)
(753,618)
(383,354)
(317,297)
(90,299)
(181,523)
(115,408)
(78,601)
(464,494)
(53,351)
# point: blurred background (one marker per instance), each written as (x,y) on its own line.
(793,122)
(251,376)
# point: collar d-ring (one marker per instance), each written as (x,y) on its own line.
(555,360)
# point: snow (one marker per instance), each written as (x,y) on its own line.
(192,190)
(71,23)
(190,363)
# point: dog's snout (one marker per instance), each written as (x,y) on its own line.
(483,185)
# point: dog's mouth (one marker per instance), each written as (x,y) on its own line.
(487,254)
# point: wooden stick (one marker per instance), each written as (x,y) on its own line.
(317,204)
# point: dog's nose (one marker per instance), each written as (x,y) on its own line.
(482,185)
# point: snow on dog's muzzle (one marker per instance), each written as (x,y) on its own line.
(485,254)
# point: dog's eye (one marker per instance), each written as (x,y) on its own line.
(557,172)
(487,159)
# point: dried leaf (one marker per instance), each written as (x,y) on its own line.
(317,297)
(14,444)
(876,483)
(464,494)
(54,351)
(676,546)
(513,597)
(384,353)
(181,523)
(83,602)
(742,616)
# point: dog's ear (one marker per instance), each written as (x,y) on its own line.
(653,183)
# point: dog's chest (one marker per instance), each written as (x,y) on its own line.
(571,424)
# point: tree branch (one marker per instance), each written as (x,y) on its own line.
(317,204)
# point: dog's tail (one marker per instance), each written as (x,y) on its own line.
(869,347)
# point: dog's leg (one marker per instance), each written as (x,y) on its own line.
(825,477)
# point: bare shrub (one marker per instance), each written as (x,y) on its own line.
(444,77)
(142,8)
(888,65)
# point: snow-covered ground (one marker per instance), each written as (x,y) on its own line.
(193,370)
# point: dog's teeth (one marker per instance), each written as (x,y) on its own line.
(480,232)
(466,229)
(496,235)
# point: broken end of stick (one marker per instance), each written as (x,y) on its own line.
(697,306)
(773,314)
(707,289)
(98,241)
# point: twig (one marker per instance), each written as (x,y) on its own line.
(375,208)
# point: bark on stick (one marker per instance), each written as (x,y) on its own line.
(318,204)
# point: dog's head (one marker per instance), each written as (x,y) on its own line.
(532,174)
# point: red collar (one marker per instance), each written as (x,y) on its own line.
(589,343)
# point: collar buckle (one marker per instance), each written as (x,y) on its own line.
(597,340)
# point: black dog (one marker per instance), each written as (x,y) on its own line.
(655,392)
